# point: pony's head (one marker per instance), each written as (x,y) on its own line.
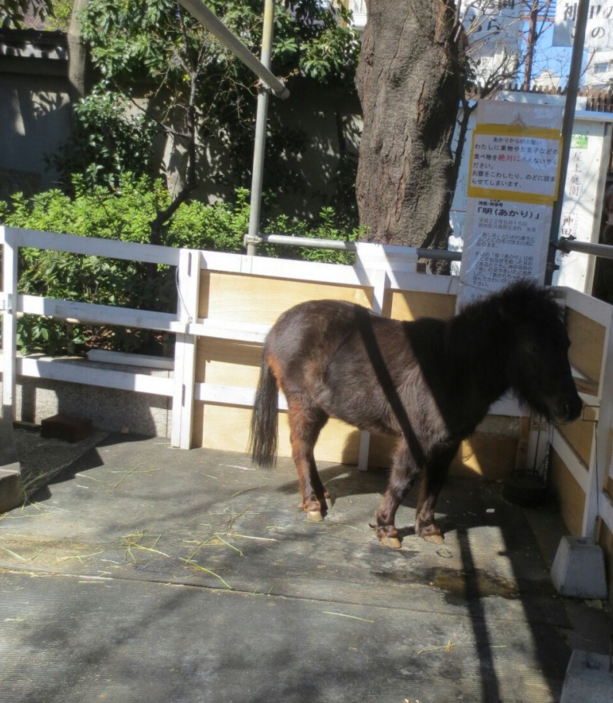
(537,361)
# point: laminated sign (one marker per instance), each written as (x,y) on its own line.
(508,241)
(513,162)
(512,185)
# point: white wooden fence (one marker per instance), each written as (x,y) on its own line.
(381,268)
(583,449)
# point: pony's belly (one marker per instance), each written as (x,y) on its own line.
(372,426)
(367,422)
(360,407)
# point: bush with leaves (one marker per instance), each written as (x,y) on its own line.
(108,139)
(196,97)
(124,214)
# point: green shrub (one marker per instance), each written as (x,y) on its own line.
(107,140)
(125,214)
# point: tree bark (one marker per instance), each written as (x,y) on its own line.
(410,80)
(78,70)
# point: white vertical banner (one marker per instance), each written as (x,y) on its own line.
(599,30)
(583,196)
(512,184)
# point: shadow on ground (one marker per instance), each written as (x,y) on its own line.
(143,572)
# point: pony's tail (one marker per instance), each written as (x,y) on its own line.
(264,420)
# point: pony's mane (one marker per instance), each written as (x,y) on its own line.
(523,299)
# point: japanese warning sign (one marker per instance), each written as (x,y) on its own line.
(512,184)
(514,162)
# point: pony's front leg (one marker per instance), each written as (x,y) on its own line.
(433,480)
(306,420)
(402,476)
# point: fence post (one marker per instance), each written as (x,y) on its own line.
(9,325)
(188,289)
(598,460)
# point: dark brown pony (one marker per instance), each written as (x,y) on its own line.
(428,382)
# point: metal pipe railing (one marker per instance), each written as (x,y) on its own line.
(566,245)
(343,245)
(201,12)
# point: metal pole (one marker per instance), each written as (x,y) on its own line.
(260,134)
(343,245)
(567,130)
(262,69)
(604,251)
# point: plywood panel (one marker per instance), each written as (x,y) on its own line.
(587,344)
(570,497)
(235,298)
(227,428)
(492,456)
(412,305)
(580,435)
(228,362)
(381,450)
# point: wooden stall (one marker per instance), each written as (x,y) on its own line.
(227,303)
(239,298)
(581,474)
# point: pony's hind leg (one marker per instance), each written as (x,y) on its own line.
(306,420)
(403,474)
(432,482)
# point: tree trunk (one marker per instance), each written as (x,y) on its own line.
(410,80)
(78,73)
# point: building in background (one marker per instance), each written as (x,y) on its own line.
(599,71)
(546,80)
(358,8)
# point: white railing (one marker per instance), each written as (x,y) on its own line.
(591,475)
(379,267)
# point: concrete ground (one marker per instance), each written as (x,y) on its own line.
(148,574)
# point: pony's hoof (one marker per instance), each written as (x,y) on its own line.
(434,539)
(392,542)
(315,515)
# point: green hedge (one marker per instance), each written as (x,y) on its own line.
(125,214)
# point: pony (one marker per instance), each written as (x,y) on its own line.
(428,382)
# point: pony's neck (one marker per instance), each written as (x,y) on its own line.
(477,347)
